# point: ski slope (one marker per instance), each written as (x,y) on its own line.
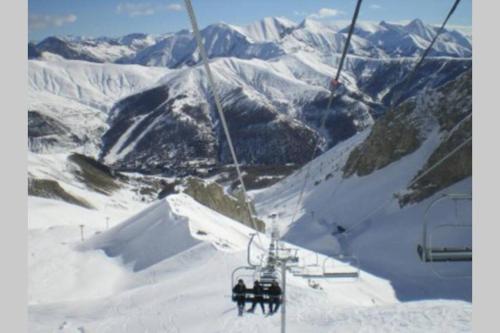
(168,268)
(382,235)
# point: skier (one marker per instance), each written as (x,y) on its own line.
(258,297)
(239,291)
(274,297)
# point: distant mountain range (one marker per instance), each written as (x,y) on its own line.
(273,77)
(265,39)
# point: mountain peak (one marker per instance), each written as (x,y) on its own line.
(420,29)
(416,23)
(269,29)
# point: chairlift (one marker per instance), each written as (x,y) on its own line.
(427,251)
(333,267)
(265,274)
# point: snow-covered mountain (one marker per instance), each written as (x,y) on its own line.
(269,29)
(268,105)
(220,40)
(160,265)
(409,40)
(99,50)
(68,101)
(275,93)
(265,39)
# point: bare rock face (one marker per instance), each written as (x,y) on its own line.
(50,189)
(402,130)
(391,138)
(213,195)
(453,115)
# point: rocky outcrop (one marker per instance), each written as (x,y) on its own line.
(391,138)
(455,168)
(402,130)
(95,175)
(50,189)
(213,196)
(452,111)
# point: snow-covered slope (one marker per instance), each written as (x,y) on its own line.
(96,49)
(268,105)
(410,40)
(95,85)
(272,69)
(185,286)
(77,95)
(361,190)
(220,40)
(382,235)
(269,29)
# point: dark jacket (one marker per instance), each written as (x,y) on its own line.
(239,289)
(274,291)
(257,290)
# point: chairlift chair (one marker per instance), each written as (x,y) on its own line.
(431,253)
(344,267)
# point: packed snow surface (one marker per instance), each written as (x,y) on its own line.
(168,269)
(382,235)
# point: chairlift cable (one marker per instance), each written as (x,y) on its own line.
(435,165)
(427,171)
(404,82)
(218,104)
(393,101)
(410,75)
(330,100)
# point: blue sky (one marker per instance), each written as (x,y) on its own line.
(120,17)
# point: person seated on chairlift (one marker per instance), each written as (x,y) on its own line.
(239,291)
(258,297)
(274,292)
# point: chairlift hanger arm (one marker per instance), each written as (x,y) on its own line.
(429,253)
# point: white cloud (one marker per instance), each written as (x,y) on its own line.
(136,9)
(375,6)
(145,9)
(38,22)
(175,7)
(325,13)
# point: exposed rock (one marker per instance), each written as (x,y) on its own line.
(455,168)
(452,109)
(402,130)
(51,189)
(95,175)
(213,196)
(391,138)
